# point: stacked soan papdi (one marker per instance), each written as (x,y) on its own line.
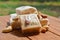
(28,19)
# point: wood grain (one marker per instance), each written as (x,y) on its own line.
(15,35)
(52,34)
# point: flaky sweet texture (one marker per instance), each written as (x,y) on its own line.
(30,23)
(26,10)
(28,19)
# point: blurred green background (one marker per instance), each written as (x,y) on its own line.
(50,7)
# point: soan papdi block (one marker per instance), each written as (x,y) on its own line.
(26,10)
(44,21)
(15,21)
(30,23)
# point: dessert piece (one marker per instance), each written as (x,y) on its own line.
(12,17)
(44,21)
(15,21)
(26,10)
(28,19)
(16,24)
(30,23)
(8,29)
(43,16)
(39,17)
(44,28)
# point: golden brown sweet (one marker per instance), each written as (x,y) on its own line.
(16,24)
(44,21)
(43,16)
(8,29)
(30,23)
(28,19)
(44,28)
(15,21)
(26,10)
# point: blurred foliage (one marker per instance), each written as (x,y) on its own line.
(32,0)
(50,8)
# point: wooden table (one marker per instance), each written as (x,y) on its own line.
(52,34)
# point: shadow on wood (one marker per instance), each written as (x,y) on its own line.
(18,32)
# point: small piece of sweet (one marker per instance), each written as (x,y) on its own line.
(43,16)
(39,16)
(44,28)
(26,10)
(44,21)
(12,17)
(30,23)
(8,29)
(15,21)
(16,24)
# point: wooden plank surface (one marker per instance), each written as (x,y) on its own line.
(54,25)
(52,34)
(15,35)
(45,36)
